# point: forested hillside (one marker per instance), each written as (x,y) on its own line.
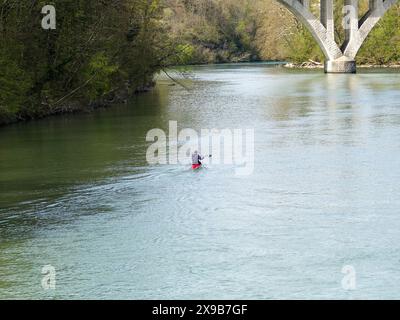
(100,51)
(104,51)
(246,30)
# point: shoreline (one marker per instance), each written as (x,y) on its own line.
(77,106)
(318,65)
(121,96)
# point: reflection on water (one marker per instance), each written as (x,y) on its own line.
(77,193)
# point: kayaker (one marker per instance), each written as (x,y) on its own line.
(196,160)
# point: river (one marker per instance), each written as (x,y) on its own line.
(77,194)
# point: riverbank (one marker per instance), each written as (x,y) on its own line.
(122,96)
(72,106)
(318,65)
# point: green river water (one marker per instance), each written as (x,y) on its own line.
(77,193)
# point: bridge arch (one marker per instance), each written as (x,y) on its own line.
(339,58)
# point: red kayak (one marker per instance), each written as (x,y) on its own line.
(196,166)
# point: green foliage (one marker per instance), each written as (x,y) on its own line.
(99,76)
(303,47)
(14,84)
(99,49)
(217,30)
(185,53)
(383,44)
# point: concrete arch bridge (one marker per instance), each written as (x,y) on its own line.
(339,58)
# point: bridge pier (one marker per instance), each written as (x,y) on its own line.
(341,65)
(339,59)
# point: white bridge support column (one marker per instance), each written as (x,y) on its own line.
(346,64)
(327,18)
(350,22)
(339,59)
(305,3)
